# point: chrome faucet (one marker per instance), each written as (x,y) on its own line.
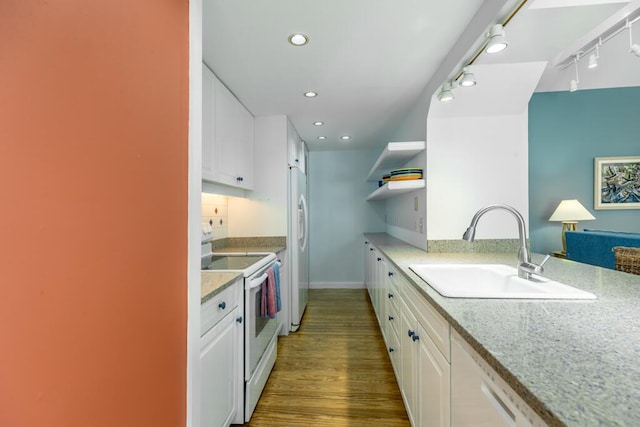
(525,266)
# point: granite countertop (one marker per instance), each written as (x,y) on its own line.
(214,282)
(576,363)
(266,244)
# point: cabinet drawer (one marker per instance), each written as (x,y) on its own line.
(433,323)
(214,310)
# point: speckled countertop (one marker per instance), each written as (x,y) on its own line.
(214,282)
(576,363)
(273,244)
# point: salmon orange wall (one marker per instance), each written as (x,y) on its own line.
(93,212)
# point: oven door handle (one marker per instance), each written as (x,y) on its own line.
(254,283)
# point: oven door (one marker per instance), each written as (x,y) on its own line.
(259,330)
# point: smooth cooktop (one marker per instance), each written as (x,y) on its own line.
(224,262)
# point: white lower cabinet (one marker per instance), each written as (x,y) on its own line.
(221,360)
(409,360)
(434,385)
(425,373)
(443,381)
(411,329)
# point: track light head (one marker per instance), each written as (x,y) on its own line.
(633,47)
(593,61)
(497,41)
(467,79)
(573,86)
(446,93)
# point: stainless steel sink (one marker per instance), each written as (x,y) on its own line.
(492,281)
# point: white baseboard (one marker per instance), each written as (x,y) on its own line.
(336,285)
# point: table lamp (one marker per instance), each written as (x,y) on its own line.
(570,212)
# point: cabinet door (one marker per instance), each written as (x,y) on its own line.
(368,248)
(382,291)
(208,120)
(225,135)
(245,147)
(395,354)
(434,385)
(219,360)
(409,361)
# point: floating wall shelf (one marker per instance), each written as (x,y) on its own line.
(394,188)
(395,155)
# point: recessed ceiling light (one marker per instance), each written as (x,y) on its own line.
(322,138)
(345,137)
(310,94)
(298,39)
(318,123)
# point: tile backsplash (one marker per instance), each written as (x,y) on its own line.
(215,211)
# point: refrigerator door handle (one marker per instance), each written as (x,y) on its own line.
(303,226)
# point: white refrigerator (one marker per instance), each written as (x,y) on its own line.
(298,247)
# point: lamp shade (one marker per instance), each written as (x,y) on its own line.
(571,210)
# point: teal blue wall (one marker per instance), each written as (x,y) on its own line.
(566,132)
(339,214)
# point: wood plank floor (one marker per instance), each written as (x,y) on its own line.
(334,371)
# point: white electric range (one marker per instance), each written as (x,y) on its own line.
(260,333)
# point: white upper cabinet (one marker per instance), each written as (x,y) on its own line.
(227,135)
(208,108)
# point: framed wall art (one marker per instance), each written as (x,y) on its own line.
(617,183)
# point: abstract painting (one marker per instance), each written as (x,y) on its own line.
(617,183)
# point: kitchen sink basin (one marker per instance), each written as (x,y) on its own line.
(492,281)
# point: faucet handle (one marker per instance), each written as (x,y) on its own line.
(531,268)
(546,258)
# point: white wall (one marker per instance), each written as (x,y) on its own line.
(477,153)
(339,215)
(264,210)
(406,215)
(473,162)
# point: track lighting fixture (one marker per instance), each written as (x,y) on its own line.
(633,48)
(497,41)
(573,85)
(446,93)
(467,79)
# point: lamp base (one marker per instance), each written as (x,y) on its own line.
(559,254)
(567,226)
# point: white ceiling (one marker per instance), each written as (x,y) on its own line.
(370,60)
